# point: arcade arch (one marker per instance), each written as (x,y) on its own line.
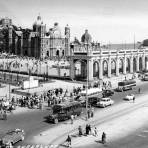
(57,53)
(96,69)
(121,66)
(105,68)
(113,67)
(80,67)
(128,65)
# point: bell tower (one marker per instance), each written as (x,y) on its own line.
(67,40)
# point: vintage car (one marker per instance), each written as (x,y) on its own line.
(107,92)
(12,136)
(104,102)
(129,97)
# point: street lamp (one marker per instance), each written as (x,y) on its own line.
(87,82)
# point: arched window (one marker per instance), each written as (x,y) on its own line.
(96,69)
(47,53)
(57,53)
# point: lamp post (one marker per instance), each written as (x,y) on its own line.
(87,82)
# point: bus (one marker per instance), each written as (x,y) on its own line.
(93,94)
(126,85)
(63,111)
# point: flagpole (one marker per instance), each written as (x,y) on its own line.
(134,41)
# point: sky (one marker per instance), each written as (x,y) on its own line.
(108,21)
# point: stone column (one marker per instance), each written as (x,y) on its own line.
(117,67)
(124,65)
(90,68)
(109,67)
(100,70)
(137,63)
(131,64)
(143,62)
(72,75)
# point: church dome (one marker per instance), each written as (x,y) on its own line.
(86,37)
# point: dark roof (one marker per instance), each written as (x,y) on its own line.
(67,104)
(145,42)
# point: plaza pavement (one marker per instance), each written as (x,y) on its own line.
(57,135)
(116,129)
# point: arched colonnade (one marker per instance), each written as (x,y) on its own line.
(108,67)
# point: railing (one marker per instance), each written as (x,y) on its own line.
(98,50)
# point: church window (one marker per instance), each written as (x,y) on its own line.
(57,53)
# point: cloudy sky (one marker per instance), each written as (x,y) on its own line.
(108,21)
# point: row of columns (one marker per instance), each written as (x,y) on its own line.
(90,64)
(124,66)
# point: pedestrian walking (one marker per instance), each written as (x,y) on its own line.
(72,118)
(92,112)
(68,140)
(87,129)
(80,131)
(88,112)
(133,99)
(95,132)
(103,137)
(5,115)
(139,90)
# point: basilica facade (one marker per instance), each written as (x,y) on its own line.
(37,42)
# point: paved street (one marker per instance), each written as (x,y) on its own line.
(34,122)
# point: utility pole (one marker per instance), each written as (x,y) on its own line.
(87,83)
(134,41)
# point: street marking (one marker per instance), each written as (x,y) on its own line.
(142,136)
(28,146)
(33,146)
(37,146)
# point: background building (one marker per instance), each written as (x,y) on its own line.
(36,42)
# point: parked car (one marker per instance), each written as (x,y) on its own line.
(129,97)
(12,136)
(107,92)
(104,102)
(91,100)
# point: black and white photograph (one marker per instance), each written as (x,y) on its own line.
(73,74)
